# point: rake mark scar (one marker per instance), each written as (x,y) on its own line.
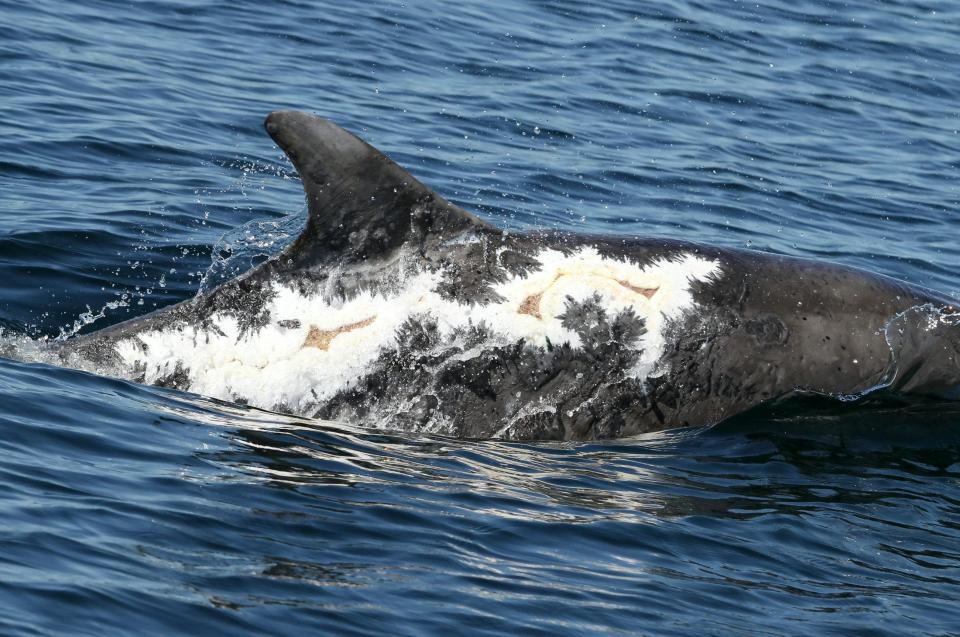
(321,339)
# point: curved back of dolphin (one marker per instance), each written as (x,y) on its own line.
(396,308)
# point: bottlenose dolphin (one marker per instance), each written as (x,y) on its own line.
(396,308)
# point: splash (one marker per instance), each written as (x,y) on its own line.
(245,246)
(924,352)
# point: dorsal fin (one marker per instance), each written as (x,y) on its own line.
(361,204)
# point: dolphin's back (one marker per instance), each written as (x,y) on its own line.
(396,308)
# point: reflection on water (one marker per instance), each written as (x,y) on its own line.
(856,516)
(807,506)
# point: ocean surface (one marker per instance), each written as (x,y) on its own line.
(134,171)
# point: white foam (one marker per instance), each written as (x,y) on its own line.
(271,367)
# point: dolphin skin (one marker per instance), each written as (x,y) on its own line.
(395,308)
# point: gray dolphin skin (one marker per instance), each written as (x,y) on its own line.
(395,308)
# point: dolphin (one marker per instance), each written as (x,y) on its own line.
(397,309)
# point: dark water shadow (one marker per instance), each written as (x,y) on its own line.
(880,420)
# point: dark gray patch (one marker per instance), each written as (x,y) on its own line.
(518,262)
(767,329)
(551,392)
(242,299)
(469,272)
(179,378)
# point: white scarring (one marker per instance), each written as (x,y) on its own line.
(271,367)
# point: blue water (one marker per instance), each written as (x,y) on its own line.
(134,170)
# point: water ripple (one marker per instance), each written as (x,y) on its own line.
(134,169)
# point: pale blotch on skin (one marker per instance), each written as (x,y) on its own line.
(531,305)
(322,346)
